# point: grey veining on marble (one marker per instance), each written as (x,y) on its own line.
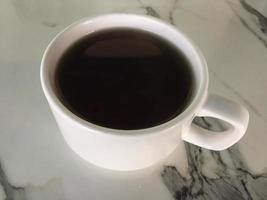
(230,179)
(252,19)
(241,185)
(36,164)
(261,18)
(246,102)
(50,190)
(10,192)
(149,10)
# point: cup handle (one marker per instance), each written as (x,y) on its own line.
(234,114)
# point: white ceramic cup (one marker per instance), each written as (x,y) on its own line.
(136,149)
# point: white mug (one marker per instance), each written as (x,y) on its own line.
(136,149)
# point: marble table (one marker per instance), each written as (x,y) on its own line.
(35,161)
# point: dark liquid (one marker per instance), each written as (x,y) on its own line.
(124,79)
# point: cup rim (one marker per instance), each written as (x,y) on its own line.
(196,103)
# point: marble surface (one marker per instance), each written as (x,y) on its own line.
(35,161)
